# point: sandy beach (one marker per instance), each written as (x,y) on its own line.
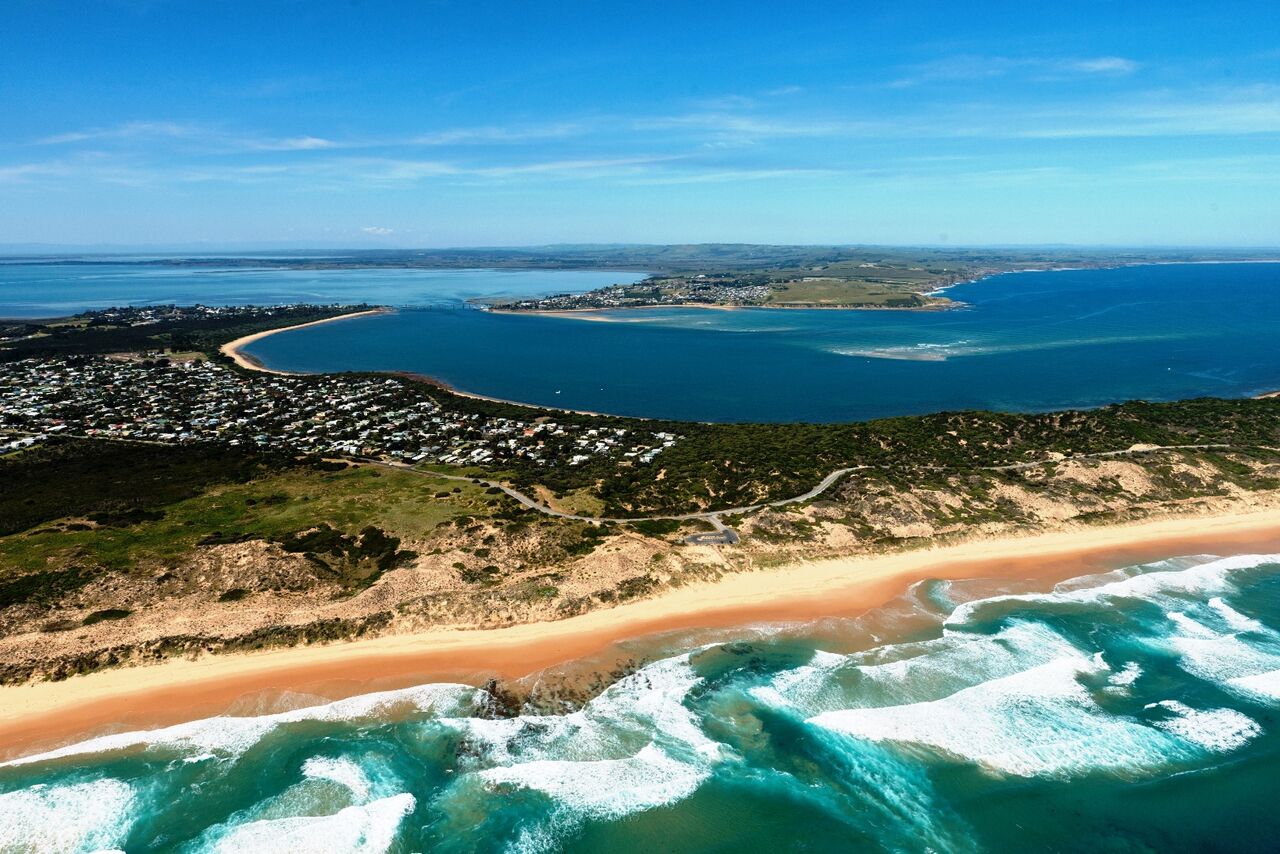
(43,715)
(232,348)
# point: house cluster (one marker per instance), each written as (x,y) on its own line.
(692,290)
(151,314)
(197,401)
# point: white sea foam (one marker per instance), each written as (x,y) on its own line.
(1212,578)
(634,747)
(366,829)
(912,353)
(808,686)
(92,816)
(1234,618)
(344,772)
(952,663)
(899,674)
(1216,730)
(1040,719)
(1040,722)
(1120,683)
(1259,685)
(230,736)
(1190,627)
(1242,665)
(646,705)
(606,788)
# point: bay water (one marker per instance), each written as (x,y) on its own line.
(1020,342)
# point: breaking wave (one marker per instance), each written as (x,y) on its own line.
(1138,675)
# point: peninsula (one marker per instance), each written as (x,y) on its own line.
(180,504)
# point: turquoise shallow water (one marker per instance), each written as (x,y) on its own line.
(1130,711)
(1025,342)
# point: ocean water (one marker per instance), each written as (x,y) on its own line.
(1129,711)
(57,290)
(1024,342)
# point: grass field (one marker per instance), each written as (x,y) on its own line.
(845,292)
(403,504)
(582,502)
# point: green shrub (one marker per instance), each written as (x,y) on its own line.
(106,614)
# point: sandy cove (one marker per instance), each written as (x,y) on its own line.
(232,348)
(47,714)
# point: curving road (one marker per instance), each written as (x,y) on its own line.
(723,534)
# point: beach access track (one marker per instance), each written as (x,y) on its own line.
(724,535)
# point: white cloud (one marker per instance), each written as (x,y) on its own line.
(598,165)
(972,68)
(19,172)
(499,134)
(727,176)
(195,135)
(377,230)
(1102,65)
(128,130)
(298,143)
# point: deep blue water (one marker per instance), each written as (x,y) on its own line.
(1025,342)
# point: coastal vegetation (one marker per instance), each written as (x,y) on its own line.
(117,484)
(717,466)
(244,549)
(861,277)
(115,550)
(199,329)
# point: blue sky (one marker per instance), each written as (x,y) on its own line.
(363,123)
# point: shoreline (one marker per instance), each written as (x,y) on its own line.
(440,384)
(251,363)
(585,313)
(232,348)
(46,715)
(576,313)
